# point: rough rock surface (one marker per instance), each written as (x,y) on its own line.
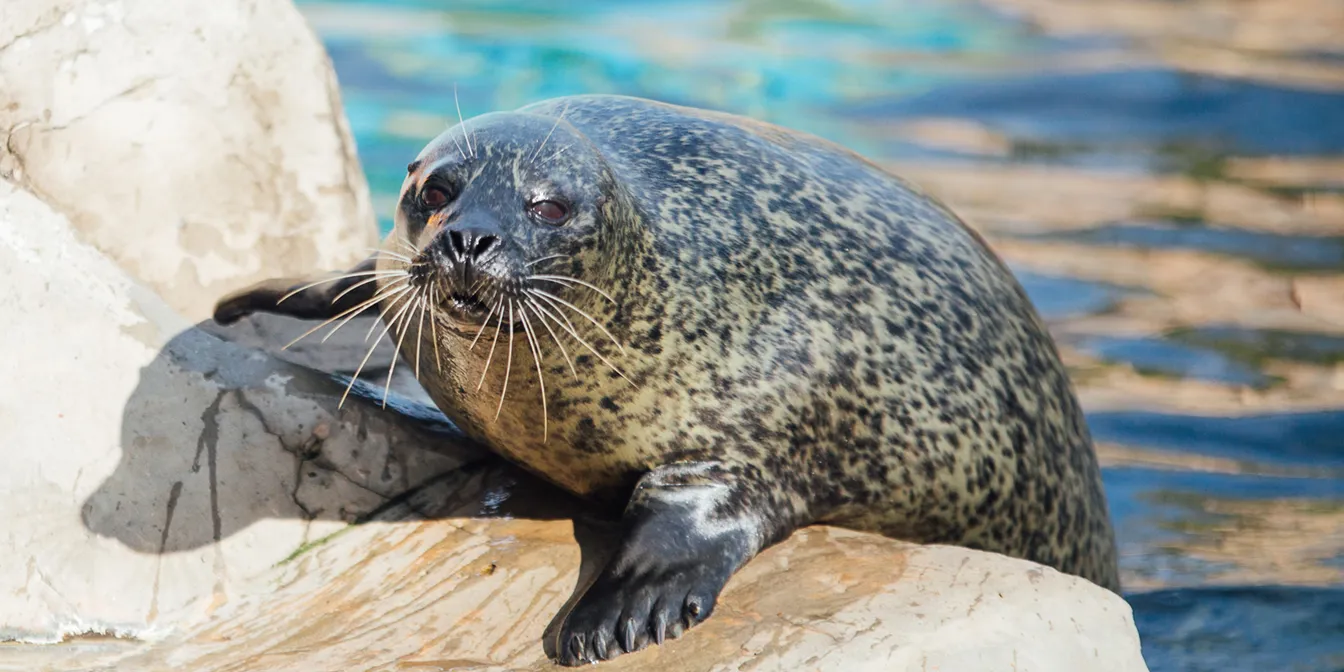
(150,465)
(201,145)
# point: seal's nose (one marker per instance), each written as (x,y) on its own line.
(472,244)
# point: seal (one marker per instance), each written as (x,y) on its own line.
(730,330)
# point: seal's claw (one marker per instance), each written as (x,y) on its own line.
(623,614)
(629,636)
(658,626)
(678,551)
(573,653)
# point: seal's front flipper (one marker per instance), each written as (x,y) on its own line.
(312,298)
(688,528)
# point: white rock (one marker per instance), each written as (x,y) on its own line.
(118,417)
(201,145)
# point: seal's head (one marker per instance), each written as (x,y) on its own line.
(504,214)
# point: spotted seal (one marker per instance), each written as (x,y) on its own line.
(730,330)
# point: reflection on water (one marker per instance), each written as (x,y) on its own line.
(1255,346)
(1308,438)
(1273,250)
(1167,179)
(1143,107)
(1058,297)
(1262,628)
(1156,356)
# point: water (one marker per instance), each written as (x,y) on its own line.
(1169,186)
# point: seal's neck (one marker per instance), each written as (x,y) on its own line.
(626,241)
(626,264)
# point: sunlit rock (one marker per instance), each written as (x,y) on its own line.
(201,145)
(151,468)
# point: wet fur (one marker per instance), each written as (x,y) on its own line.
(809,339)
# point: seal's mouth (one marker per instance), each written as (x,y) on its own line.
(471,313)
(466,305)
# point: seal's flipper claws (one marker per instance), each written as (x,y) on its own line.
(689,527)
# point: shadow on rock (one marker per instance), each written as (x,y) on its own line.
(229,446)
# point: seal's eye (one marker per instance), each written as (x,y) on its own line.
(434,197)
(551,212)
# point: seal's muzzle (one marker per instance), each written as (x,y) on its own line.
(475,268)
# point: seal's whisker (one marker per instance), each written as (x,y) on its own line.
(459,147)
(382,314)
(551,298)
(345,276)
(564,353)
(484,323)
(390,254)
(361,283)
(535,347)
(555,156)
(387,327)
(508,367)
(396,352)
(399,260)
(562,283)
(557,316)
(476,285)
(570,328)
(564,280)
(355,310)
(434,326)
(420,330)
(407,244)
(402,287)
(466,132)
(486,369)
(548,257)
(548,133)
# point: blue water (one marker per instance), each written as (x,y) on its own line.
(1272,250)
(851,70)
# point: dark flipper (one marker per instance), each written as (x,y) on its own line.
(314,303)
(688,528)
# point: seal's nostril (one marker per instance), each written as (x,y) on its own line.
(483,245)
(471,244)
(459,245)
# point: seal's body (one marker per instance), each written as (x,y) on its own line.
(740,330)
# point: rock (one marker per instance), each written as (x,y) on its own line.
(471,593)
(151,467)
(201,145)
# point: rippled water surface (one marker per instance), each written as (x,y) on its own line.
(1167,179)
